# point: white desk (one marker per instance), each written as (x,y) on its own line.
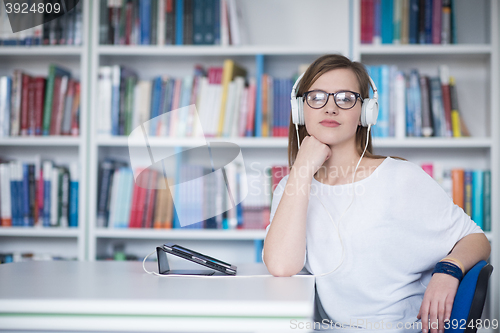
(120,296)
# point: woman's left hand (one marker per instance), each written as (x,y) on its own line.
(438,302)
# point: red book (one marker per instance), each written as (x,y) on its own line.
(436,21)
(40,195)
(134,221)
(251,109)
(31,106)
(150,199)
(445,89)
(25,111)
(367,19)
(39,103)
(141,199)
(128,22)
(75,114)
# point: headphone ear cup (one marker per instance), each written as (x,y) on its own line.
(300,108)
(369,112)
(295,110)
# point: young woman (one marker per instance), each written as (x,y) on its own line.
(388,243)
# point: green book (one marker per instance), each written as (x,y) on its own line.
(54,71)
(487,200)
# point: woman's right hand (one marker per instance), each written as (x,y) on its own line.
(311,156)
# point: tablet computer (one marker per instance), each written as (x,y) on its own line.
(200,258)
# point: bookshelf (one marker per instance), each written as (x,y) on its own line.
(297,45)
(474,61)
(62,150)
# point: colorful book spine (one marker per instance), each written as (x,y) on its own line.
(478,197)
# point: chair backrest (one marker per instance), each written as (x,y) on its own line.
(469,300)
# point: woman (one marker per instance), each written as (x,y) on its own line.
(376,248)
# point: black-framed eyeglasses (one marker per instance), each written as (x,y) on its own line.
(344,99)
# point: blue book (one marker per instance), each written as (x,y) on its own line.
(386,18)
(416,102)
(13,194)
(115,100)
(155,106)
(73,203)
(477,197)
(428,21)
(259,71)
(436,97)
(384,101)
(179,22)
(413,26)
(128,179)
(47,185)
(487,200)
(468,192)
(25,196)
(410,123)
(216,4)
(73,196)
(145,21)
(177,150)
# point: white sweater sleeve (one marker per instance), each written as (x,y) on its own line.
(429,215)
(277,195)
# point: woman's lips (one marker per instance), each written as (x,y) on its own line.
(330,123)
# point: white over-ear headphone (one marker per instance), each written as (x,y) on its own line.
(369,109)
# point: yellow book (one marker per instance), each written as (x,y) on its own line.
(229,72)
(457,123)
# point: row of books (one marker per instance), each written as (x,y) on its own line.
(408,22)
(415,105)
(170,22)
(228,105)
(38,194)
(144,198)
(10,257)
(37,105)
(469,188)
(59,29)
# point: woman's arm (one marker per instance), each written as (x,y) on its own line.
(438,298)
(285,243)
(471,249)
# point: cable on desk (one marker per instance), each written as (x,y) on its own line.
(202,276)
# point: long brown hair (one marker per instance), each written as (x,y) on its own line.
(320,66)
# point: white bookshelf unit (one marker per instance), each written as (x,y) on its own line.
(300,37)
(284,47)
(474,61)
(62,150)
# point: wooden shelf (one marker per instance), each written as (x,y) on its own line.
(206,234)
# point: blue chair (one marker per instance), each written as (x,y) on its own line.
(469,300)
(467,306)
